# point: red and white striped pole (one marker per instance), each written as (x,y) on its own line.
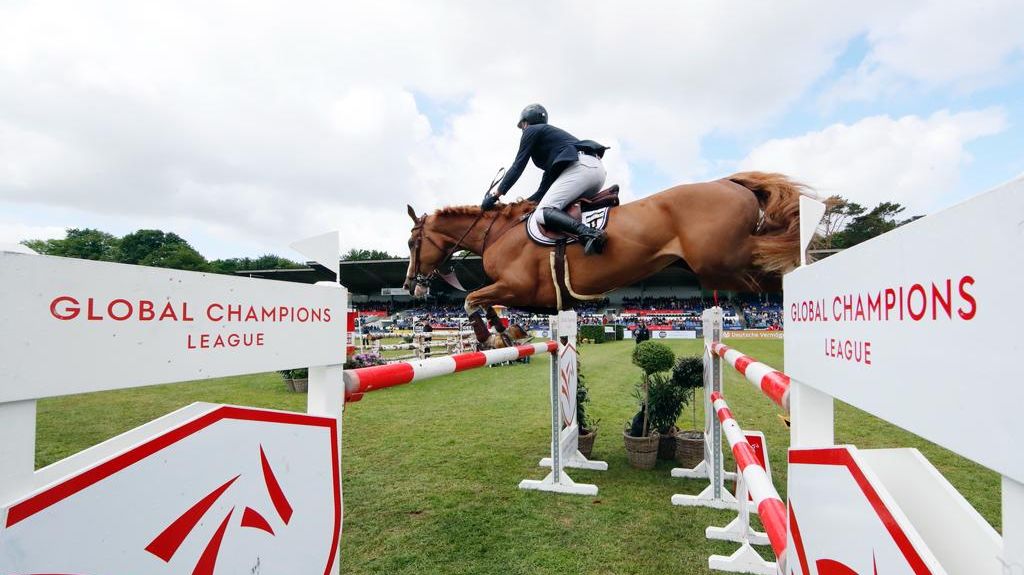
(366,379)
(770,506)
(771,381)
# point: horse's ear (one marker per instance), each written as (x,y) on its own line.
(412,214)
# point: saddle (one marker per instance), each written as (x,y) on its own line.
(590,209)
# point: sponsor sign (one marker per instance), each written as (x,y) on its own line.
(73,326)
(674,334)
(752,334)
(907,325)
(394,291)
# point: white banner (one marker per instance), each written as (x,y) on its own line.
(918,327)
(72,326)
(673,334)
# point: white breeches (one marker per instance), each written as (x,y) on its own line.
(581,177)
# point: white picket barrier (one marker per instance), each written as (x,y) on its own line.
(207,484)
(429,344)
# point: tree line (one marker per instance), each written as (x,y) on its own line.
(161,249)
(847,223)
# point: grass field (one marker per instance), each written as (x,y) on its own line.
(431,469)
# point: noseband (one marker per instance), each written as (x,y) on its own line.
(414,275)
(424,279)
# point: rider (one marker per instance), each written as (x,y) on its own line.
(572,168)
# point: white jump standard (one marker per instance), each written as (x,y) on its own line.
(564,432)
(564,427)
(755,480)
(712,467)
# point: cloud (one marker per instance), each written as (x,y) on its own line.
(910,160)
(15,232)
(247,121)
(923,46)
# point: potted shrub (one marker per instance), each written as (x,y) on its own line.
(666,401)
(300,379)
(640,438)
(297,380)
(286,375)
(688,377)
(587,427)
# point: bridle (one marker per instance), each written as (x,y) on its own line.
(448,276)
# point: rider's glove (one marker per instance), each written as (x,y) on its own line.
(489,201)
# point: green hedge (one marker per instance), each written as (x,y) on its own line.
(594,333)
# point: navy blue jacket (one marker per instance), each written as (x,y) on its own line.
(550,148)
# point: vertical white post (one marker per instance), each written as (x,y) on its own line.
(326,397)
(17,448)
(1013,526)
(565,380)
(812,413)
(556,411)
(712,467)
(564,438)
(326,391)
(812,417)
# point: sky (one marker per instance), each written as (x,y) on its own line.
(245,125)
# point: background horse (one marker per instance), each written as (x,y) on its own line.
(736,233)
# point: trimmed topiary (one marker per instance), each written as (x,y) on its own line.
(653,357)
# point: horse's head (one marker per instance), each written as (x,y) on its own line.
(429,254)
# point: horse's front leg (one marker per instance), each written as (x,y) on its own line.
(482,301)
(498,325)
(476,321)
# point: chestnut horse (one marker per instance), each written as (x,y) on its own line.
(736,233)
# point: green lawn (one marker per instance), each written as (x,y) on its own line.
(431,469)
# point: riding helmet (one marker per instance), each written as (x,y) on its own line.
(533,114)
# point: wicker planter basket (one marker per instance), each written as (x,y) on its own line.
(667,445)
(300,385)
(642,452)
(585,442)
(689,448)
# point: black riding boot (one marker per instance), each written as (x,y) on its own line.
(593,240)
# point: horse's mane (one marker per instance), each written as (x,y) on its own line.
(514,209)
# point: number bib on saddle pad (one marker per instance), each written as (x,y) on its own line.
(597,219)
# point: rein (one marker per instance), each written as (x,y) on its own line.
(425,280)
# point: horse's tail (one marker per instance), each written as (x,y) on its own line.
(777,235)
